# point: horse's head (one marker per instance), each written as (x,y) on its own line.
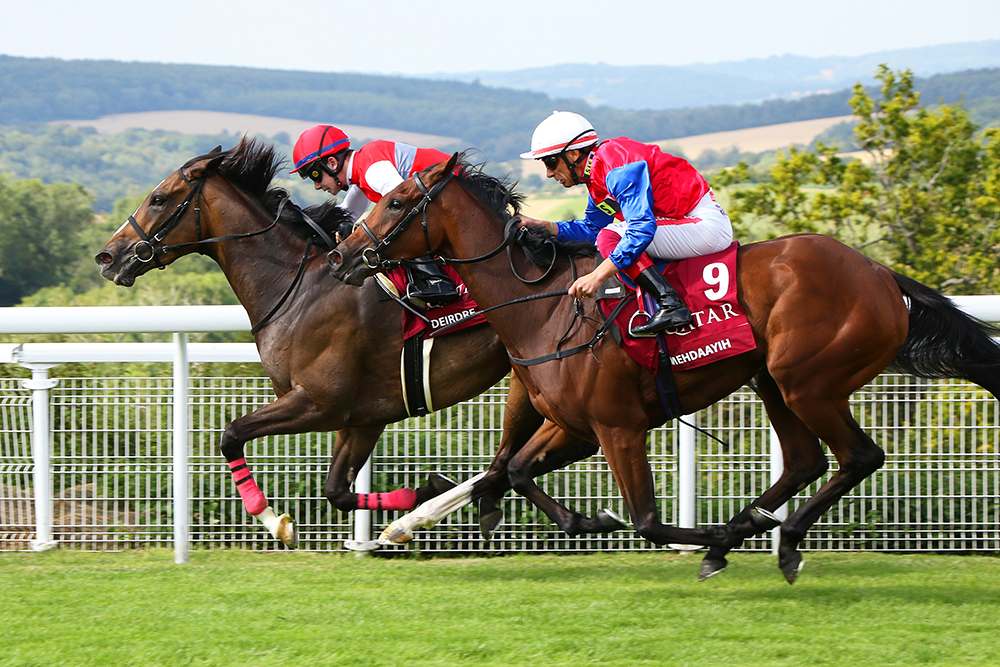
(387,233)
(172,208)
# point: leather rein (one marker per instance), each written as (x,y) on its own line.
(372,258)
(149,247)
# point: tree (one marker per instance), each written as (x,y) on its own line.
(926,201)
(40,226)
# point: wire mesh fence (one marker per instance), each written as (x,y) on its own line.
(112,471)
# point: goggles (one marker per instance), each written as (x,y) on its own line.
(313,172)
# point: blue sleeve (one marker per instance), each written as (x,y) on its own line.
(630,186)
(594,220)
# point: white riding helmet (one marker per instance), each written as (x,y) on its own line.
(562,131)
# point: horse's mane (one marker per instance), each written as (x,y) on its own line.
(499,196)
(251,166)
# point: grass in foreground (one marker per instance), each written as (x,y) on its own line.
(239,608)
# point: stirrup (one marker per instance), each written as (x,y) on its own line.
(661,321)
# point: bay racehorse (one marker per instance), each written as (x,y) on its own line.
(332,352)
(826,320)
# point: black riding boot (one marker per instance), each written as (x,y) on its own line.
(428,283)
(671,312)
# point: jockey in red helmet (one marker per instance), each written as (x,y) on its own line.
(323,154)
(642,200)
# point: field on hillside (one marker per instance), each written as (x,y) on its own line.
(753,140)
(217,122)
(289,608)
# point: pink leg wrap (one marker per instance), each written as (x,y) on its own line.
(253,500)
(400,499)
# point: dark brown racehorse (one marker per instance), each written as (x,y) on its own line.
(332,352)
(826,320)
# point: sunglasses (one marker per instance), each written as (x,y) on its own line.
(551,162)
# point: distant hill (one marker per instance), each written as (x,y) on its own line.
(498,121)
(785,77)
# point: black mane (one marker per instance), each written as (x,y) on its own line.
(251,166)
(498,195)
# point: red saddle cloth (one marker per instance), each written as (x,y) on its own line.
(720,328)
(441,316)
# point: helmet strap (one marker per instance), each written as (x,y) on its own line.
(571,166)
(322,162)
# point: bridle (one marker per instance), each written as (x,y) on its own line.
(148,248)
(373,259)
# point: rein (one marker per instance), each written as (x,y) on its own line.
(372,258)
(151,252)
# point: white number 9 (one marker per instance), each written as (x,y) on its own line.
(716,274)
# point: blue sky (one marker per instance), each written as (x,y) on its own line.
(413,37)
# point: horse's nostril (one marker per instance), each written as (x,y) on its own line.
(335,259)
(104,257)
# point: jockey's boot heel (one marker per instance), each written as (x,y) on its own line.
(430,284)
(671,312)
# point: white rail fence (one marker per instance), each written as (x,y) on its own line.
(91,462)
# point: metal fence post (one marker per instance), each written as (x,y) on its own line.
(41,446)
(362,542)
(777,469)
(686,475)
(686,494)
(182,511)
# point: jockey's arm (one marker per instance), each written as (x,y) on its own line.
(630,186)
(355,202)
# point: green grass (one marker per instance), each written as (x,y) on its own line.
(239,608)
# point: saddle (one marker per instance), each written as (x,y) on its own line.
(421,324)
(708,286)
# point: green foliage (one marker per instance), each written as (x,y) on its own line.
(40,231)
(129,163)
(926,201)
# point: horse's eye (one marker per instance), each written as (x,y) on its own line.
(395,205)
(157,200)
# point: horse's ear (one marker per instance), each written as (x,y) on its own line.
(438,171)
(205,167)
(217,149)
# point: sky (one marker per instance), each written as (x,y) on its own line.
(424,36)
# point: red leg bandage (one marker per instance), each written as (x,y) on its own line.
(253,500)
(400,499)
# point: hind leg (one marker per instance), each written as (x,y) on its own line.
(858,457)
(804,462)
(550,449)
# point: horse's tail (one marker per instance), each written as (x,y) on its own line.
(944,342)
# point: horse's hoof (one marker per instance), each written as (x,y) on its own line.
(440,483)
(488,523)
(764,520)
(609,521)
(281,527)
(287,532)
(711,567)
(395,535)
(791,566)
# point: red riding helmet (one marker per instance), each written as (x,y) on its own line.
(317,142)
